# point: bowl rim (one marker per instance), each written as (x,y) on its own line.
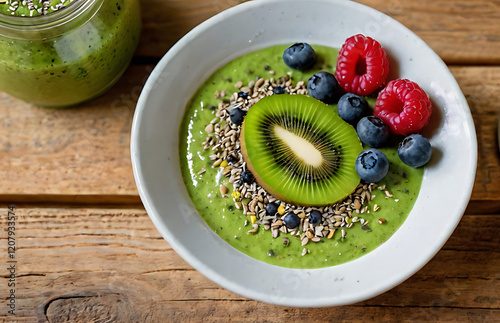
(215,276)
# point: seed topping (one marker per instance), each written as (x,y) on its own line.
(223,141)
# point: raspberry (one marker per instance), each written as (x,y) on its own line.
(362,65)
(403,106)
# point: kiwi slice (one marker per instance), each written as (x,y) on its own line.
(300,150)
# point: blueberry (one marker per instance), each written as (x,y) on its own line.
(291,220)
(324,87)
(247,177)
(373,131)
(243,95)
(415,150)
(279,90)
(237,115)
(271,209)
(315,217)
(299,56)
(352,107)
(372,165)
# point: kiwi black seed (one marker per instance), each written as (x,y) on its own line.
(300,150)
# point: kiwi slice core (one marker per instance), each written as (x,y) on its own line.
(300,150)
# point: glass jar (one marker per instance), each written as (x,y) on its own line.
(68,56)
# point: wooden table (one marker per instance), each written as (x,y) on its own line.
(87,251)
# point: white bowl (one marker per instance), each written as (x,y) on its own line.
(446,186)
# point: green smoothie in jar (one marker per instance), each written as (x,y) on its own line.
(63,52)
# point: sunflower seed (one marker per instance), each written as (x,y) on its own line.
(255,227)
(277,224)
(209,128)
(357,204)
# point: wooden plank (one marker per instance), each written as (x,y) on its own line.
(89,263)
(461,32)
(481,86)
(118,308)
(236,311)
(167,21)
(81,155)
(71,155)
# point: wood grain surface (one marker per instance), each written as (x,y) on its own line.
(82,155)
(112,264)
(460,31)
(88,252)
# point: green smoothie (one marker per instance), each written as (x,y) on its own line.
(393,198)
(73,62)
